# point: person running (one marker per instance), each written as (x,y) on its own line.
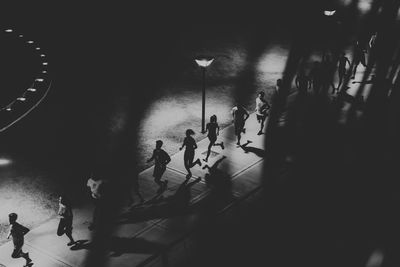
(359,57)
(17,232)
(262,108)
(65,215)
(303,82)
(188,156)
(161,159)
(343,61)
(240,115)
(213,131)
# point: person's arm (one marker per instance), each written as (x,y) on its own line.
(182,144)
(246,113)
(9,233)
(152,157)
(348,62)
(194,144)
(167,158)
(24,230)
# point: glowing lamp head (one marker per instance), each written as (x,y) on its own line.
(9,30)
(204,62)
(8,109)
(4,161)
(30,42)
(329,12)
(42,55)
(39,80)
(21,99)
(31,89)
(45,63)
(37,48)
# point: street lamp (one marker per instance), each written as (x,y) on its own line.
(329,13)
(203,62)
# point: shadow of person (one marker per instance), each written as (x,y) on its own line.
(162,207)
(257,151)
(122,245)
(217,178)
(81,244)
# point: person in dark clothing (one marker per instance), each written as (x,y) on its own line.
(161,159)
(65,215)
(240,115)
(213,131)
(343,61)
(359,57)
(188,156)
(316,77)
(303,82)
(17,232)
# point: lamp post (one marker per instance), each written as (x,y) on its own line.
(203,62)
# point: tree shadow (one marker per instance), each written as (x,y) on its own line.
(162,207)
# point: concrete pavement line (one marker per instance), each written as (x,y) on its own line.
(53,257)
(234,176)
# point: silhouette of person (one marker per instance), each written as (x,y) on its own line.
(240,115)
(96,187)
(213,131)
(303,82)
(316,77)
(262,108)
(66,217)
(359,57)
(17,232)
(343,60)
(188,156)
(161,159)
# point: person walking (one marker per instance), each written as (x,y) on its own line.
(213,131)
(262,108)
(65,215)
(161,159)
(240,115)
(17,232)
(188,156)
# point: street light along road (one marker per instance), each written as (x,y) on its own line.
(203,62)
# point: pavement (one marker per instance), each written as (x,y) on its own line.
(159,232)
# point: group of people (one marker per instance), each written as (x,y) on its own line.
(18,231)
(321,74)
(160,158)
(239,116)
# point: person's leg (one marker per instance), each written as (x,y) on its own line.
(191,163)
(262,124)
(61,227)
(208,150)
(68,231)
(186,162)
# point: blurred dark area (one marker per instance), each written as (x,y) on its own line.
(336,202)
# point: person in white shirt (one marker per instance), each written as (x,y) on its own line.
(96,187)
(65,215)
(262,108)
